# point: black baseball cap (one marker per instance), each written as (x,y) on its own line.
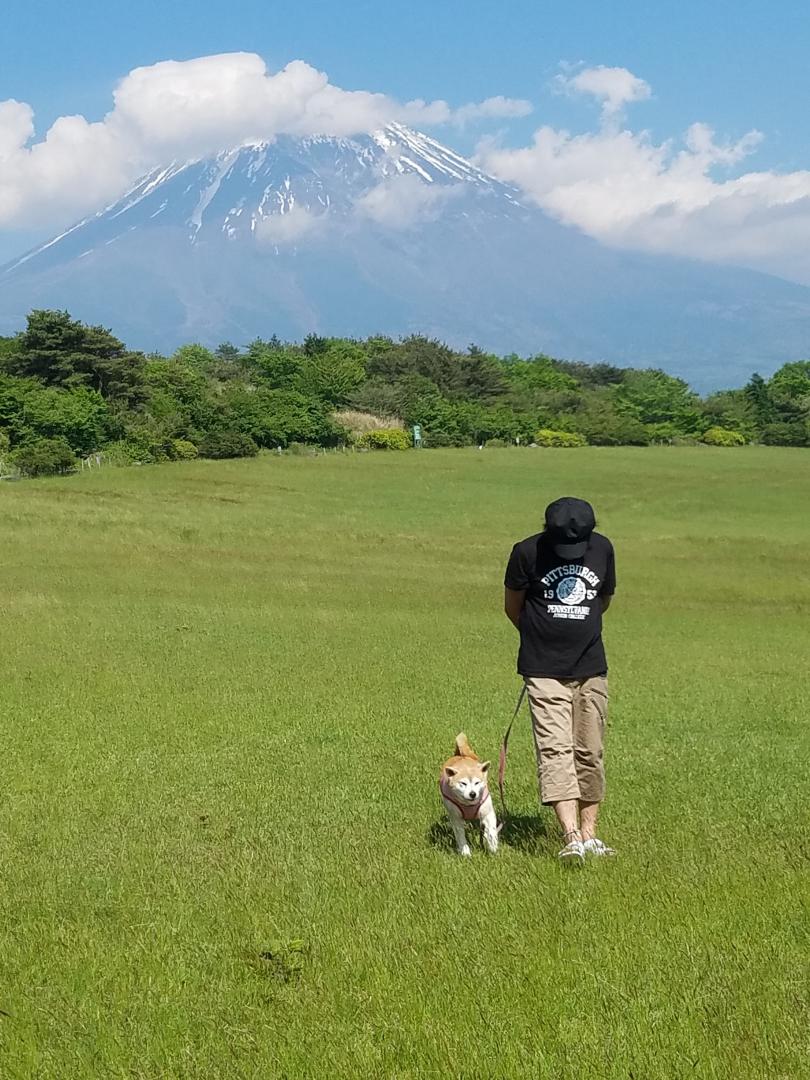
(569,524)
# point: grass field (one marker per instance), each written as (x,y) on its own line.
(226,690)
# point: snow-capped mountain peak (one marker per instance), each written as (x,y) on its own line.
(232,193)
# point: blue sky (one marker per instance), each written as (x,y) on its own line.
(734,66)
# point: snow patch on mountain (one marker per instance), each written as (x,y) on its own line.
(220,171)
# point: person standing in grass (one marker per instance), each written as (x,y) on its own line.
(557,585)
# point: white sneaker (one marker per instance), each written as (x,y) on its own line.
(596,847)
(572,854)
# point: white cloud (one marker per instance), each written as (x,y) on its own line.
(186,109)
(614,87)
(685,197)
(16,126)
(403,201)
(494,107)
(425,114)
(288,228)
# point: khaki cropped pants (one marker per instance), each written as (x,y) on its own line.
(568,719)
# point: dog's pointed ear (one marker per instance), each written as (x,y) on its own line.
(450,772)
(484,766)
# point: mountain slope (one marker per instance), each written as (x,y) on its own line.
(392,233)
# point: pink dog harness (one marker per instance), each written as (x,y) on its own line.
(469,811)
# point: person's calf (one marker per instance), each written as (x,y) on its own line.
(567,815)
(588,816)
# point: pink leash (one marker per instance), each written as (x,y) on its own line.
(505,747)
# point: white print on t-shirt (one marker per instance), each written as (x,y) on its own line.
(565,571)
(567,584)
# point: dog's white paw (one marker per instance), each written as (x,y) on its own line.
(466,851)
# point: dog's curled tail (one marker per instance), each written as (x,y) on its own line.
(463,748)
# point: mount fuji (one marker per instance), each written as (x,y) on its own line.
(392,233)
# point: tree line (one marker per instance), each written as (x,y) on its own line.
(69,390)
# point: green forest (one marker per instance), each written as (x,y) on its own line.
(69,391)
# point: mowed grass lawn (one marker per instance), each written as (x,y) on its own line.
(226,692)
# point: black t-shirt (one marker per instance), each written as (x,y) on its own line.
(561,621)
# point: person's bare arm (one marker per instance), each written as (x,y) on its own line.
(513,604)
(606,602)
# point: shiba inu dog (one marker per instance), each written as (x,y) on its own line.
(463,785)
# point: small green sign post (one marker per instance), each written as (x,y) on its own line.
(417,436)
